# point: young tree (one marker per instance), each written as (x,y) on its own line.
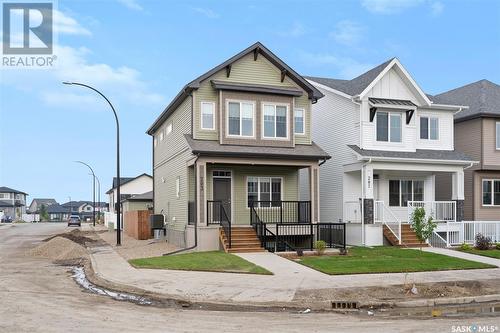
(423,229)
(44,216)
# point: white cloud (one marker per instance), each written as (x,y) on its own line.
(347,68)
(347,32)
(206,12)
(131,4)
(296,30)
(389,6)
(437,8)
(64,24)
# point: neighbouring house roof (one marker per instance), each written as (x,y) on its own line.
(419,154)
(355,86)
(45,202)
(482,97)
(5,189)
(148,196)
(259,48)
(214,148)
(124,180)
(57,209)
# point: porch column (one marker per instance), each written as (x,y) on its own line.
(368,203)
(457,193)
(201,176)
(314,192)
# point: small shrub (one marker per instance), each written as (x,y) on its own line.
(320,247)
(300,252)
(465,247)
(482,242)
(497,246)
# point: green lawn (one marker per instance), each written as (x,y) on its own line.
(385,259)
(212,261)
(494,253)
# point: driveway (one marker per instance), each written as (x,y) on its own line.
(37,296)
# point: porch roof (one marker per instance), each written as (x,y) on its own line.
(450,156)
(214,148)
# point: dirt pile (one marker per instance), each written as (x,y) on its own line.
(59,249)
(76,236)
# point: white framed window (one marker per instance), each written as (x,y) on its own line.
(267,190)
(402,191)
(429,128)
(299,121)
(498,135)
(389,126)
(240,119)
(491,192)
(207,115)
(275,121)
(162,135)
(169,129)
(178,187)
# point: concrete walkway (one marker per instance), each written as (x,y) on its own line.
(464,255)
(288,278)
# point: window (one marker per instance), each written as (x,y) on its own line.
(178,187)
(241,119)
(299,121)
(389,126)
(264,189)
(161,135)
(207,115)
(275,121)
(169,128)
(402,191)
(429,128)
(498,134)
(491,192)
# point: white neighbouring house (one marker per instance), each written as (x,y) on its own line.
(388,142)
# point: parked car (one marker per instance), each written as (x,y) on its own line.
(74,220)
(7,219)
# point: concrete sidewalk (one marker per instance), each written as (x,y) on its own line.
(288,278)
(464,255)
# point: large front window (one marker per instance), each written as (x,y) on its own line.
(267,189)
(402,191)
(275,121)
(241,119)
(389,126)
(491,192)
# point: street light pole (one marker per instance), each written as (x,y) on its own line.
(118,224)
(99,197)
(93,189)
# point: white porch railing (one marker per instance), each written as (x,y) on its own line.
(465,232)
(441,211)
(378,211)
(437,241)
(383,214)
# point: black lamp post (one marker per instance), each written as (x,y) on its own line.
(98,197)
(118,213)
(93,189)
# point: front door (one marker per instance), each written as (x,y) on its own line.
(222,192)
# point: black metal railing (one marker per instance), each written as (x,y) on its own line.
(216,214)
(191,212)
(332,233)
(283,211)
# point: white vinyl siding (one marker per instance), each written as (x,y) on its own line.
(207,115)
(241,119)
(497,135)
(169,129)
(299,123)
(491,192)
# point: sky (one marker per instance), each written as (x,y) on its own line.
(141,53)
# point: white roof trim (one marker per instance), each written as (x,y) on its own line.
(335,91)
(407,75)
(414,160)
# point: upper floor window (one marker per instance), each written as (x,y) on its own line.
(241,118)
(498,134)
(275,121)
(402,191)
(299,121)
(169,129)
(491,192)
(429,128)
(388,126)
(207,115)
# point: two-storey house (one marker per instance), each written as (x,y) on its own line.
(227,152)
(12,203)
(477,133)
(389,141)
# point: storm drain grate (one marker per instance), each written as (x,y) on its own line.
(344,305)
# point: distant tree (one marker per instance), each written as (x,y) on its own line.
(423,229)
(44,216)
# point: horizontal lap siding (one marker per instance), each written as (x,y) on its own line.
(239,185)
(303,102)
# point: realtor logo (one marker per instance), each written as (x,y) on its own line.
(27,28)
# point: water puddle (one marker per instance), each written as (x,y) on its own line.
(81,279)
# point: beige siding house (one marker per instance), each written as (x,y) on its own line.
(230,145)
(477,133)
